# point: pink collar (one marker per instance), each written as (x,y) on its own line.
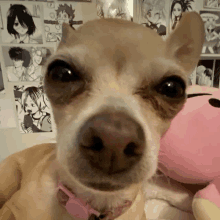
(80,209)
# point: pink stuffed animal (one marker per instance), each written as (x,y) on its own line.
(190,150)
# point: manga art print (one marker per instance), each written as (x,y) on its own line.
(216,81)
(20,58)
(153,15)
(205,73)
(121,9)
(177,8)
(22,23)
(38,58)
(33,109)
(55,14)
(211,3)
(212,32)
(24,64)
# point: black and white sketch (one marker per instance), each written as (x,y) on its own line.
(212,32)
(153,15)
(25,63)
(177,8)
(22,23)
(211,4)
(121,9)
(55,14)
(33,109)
(2,87)
(204,73)
(38,58)
(216,74)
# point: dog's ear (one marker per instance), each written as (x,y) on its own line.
(67,31)
(185,43)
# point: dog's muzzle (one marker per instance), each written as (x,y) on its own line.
(111,142)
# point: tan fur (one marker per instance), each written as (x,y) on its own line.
(121,63)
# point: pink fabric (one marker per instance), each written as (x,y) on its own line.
(190,150)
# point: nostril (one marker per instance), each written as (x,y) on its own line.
(130,149)
(96,144)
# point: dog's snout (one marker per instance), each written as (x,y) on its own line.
(112,142)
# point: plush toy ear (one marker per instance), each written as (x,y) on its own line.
(186,41)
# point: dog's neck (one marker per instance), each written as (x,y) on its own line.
(101,201)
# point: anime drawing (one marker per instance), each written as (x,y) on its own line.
(114,9)
(177,8)
(20,24)
(56,14)
(25,64)
(21,60)
(30,106)
(212,31)
(204,73)
(216,74)
(153,15)
(23,24)
(2,87)
(211,4)
(34,70)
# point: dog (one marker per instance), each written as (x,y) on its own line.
(114,88)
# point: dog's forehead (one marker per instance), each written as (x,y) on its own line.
(109,37)
(112,42)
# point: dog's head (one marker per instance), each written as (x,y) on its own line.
(114,87)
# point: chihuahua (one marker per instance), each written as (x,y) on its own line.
(114,87)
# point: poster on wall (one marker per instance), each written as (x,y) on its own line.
(33,109)
(205,73)
(22,23)
(2,86)
(7,117)
(121,9)
(153,15)
(177,8)
(24,64)
(211,21)
(55,14)
(216,74)
(211,4)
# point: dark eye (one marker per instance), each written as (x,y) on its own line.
(172,87)
(63,72)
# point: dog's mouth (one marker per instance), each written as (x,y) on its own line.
(104,186)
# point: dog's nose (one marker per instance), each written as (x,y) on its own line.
(112,142)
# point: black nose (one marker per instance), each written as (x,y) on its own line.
(112,142)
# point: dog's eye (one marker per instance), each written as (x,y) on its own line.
(62,71)
(172,87)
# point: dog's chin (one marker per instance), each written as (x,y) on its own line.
(108,187)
